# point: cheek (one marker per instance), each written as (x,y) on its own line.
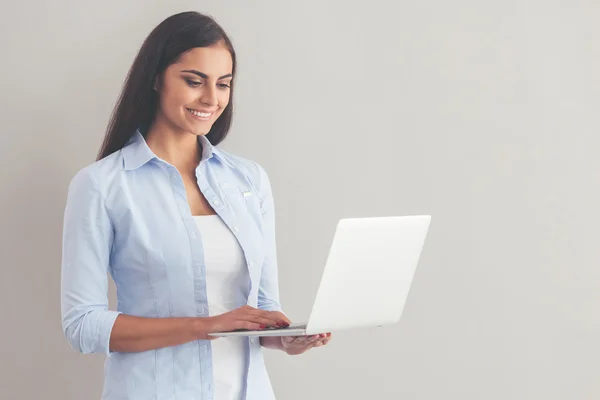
(173,99)
(223,101)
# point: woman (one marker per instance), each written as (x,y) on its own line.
(185,229)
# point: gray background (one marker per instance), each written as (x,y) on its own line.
(483,114)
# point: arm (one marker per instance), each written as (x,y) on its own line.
(139,334)
(271,342)
(86,244)
(268,292)
(89,326)
(131,333)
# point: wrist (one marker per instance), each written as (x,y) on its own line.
(200,327)
(272,342)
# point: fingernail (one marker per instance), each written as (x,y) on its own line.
(262,326)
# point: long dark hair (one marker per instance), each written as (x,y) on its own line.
(136,106)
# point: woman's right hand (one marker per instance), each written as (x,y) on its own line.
(245,317)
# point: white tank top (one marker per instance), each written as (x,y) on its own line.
(227,282)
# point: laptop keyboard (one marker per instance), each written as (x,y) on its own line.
(283,328)
(292,326)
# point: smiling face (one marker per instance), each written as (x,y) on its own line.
(195,90)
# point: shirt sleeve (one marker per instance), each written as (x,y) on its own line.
(86,245)
(268,291)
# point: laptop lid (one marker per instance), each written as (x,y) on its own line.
(368,272)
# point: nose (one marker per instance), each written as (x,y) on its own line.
(209,96)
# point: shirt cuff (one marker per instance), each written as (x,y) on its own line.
(105,326)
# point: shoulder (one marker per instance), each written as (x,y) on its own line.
(97,175)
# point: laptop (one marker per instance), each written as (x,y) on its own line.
(367,276)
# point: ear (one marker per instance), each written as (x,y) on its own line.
(156,84)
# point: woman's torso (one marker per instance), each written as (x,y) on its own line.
(159,265)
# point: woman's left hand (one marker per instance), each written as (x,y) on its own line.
(295,345)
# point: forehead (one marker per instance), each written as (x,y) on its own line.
(214,61)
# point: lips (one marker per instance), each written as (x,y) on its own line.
(200,114)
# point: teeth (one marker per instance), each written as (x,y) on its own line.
(200,114)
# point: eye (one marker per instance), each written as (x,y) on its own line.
(193,83)
(224,86)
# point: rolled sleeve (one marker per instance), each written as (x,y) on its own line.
(87,241)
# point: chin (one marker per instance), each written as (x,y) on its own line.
(199,132)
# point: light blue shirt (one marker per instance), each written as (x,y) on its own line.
(128,215)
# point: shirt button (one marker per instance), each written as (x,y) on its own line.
(216,202)
(235,228)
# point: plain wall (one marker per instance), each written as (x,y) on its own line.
(482,114)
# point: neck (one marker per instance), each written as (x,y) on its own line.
(177,147)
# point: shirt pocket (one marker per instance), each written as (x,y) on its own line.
(240,196)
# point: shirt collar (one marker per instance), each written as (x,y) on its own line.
(137,153)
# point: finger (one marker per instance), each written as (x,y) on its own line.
(282,317)
(276,316)
(303,346)
(288,339)
(259,320)
(323,340)
(251,326)
(300,340)
(267,318)
(321,336)
(313,338)
(269,315)
(258,316)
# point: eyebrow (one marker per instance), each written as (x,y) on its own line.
(203,75)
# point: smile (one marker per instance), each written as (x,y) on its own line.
(200,115)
